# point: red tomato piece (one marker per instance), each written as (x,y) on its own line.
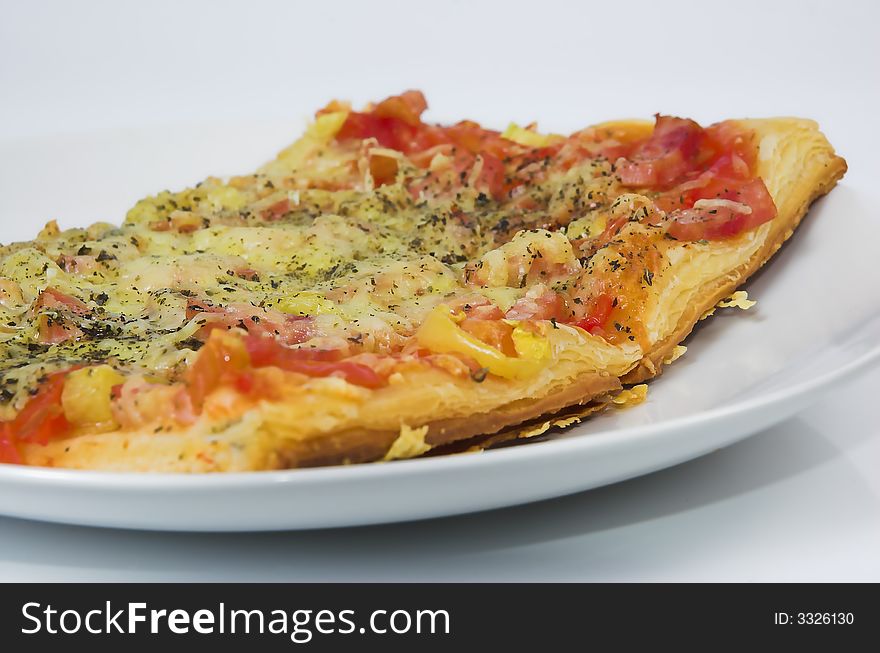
(219,362)
(598,313)
(408,107)
(366,125)
(491,177)
(718,223)
(396,123)
(55,299)
(276,211)
(41,418)
(267,351)
(476,140)
(53,331)
(8,451)
(665,156)
(383,169)
(735,151)
(708,187)
(354,373)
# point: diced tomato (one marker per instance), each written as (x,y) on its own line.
(396,123)
(756,195)
(731,165)
(53,330)
(41,418)
(227,359)
(408,107)
(55,299)
(388,132)
(718,223)
(666,156)
(276,211)
(491,177)
(709,187)
(734,151)
(43,415)
(267,351)
(56,329)
(247,273)
(244,382)
(219,362)
(383,169)
(8,451)
(354,373)
(475,139)
(598,313)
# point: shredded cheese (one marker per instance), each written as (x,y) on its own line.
(736,207)
(409,444)
(739,299)
(631,396)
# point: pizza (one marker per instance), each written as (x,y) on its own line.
(388,288)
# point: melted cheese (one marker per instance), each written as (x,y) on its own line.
(409,444)
(308,240)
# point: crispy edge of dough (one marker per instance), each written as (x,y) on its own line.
(792,186)
(501,422)
(248,443)
(804,171)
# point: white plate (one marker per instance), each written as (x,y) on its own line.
(817,323)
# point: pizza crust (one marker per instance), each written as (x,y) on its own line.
(328,421)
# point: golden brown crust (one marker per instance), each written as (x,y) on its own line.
(331,422)
(528,430)
(363,445)
(293,434)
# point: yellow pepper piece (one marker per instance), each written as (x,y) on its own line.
(327,125)
(320,132)
(530,345)
(306,303)
(529,138)
(441,334)
(86,395)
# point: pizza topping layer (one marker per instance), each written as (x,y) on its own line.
(375,243)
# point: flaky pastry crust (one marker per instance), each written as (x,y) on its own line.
(328,421)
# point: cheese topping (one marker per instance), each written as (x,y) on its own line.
(374,242)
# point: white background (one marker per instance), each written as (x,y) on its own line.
(799,502)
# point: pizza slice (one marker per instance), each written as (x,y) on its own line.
(388,287)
